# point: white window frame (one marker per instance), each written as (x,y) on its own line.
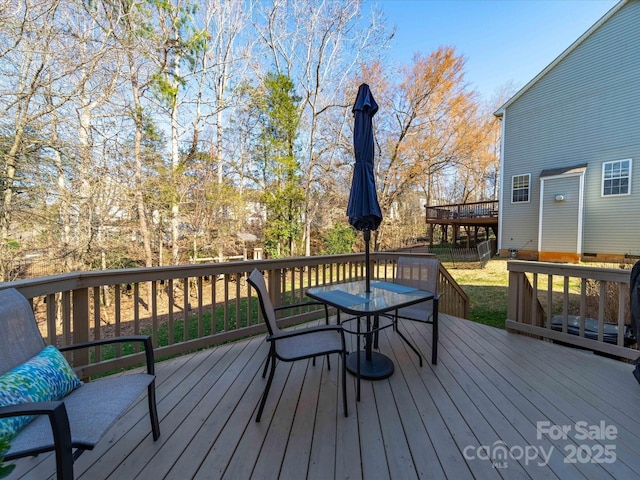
(513,179)
(628,177)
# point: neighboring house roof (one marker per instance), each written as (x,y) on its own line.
(554,172)
(247,237)
(500,112)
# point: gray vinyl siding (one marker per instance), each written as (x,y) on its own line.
(586,109)
(612,224)
(522,233)
(560,219)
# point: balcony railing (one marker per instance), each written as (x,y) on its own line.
(215,300)
(575,304)
(460,211)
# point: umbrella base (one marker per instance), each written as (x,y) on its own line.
(379,367)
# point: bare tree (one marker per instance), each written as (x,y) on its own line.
(41,75)
(225,58)
(136,116)
(319,44)
(129,24)
(427,124)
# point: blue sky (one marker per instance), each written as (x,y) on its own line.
(501,40)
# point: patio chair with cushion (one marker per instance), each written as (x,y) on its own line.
(44,407)
(292,345)
(421,273)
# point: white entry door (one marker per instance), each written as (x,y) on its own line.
(561,209)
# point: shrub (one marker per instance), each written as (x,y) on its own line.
(339,239)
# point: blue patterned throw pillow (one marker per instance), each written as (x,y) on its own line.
(44,378)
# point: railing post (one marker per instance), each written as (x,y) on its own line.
(80,324)
(535,320)
(513,296)
(274,286)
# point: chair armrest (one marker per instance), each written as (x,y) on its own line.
(145,339)
(57,413)
(304,331)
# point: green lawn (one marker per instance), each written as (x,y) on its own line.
(487,289)
(108,351)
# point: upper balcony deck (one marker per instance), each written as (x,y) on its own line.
(474,213)
(468,216)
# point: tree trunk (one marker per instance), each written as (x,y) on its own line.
(175,163)
(85,211)
(7,200)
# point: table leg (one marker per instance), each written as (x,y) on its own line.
(358,360)
(434,339)
(376,324)
(368,335)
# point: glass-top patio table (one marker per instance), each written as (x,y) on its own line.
(353,299)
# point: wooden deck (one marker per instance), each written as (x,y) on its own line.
(490,389)
(469,216)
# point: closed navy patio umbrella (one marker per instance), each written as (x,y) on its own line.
(365,215)
(363,209)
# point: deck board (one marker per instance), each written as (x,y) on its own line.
(297,446)
(500,410)
(541,390)
(490,388)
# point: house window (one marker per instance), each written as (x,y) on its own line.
(520,188)
(616,177)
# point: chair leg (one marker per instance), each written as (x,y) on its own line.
(328,362)
(406,340)
(434,349)
(434,339)
(153,410)
(358,363)
(344,382)
(266,365)
(266,389)
(62,441)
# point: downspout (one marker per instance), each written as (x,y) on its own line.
(580,213)
(540,214)
(500,114)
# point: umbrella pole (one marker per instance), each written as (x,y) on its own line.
(367,239)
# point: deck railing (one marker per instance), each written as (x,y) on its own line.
(217,302)
(575,304)
(486,209)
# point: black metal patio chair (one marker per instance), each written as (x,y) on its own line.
(420,273)
(299,344)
